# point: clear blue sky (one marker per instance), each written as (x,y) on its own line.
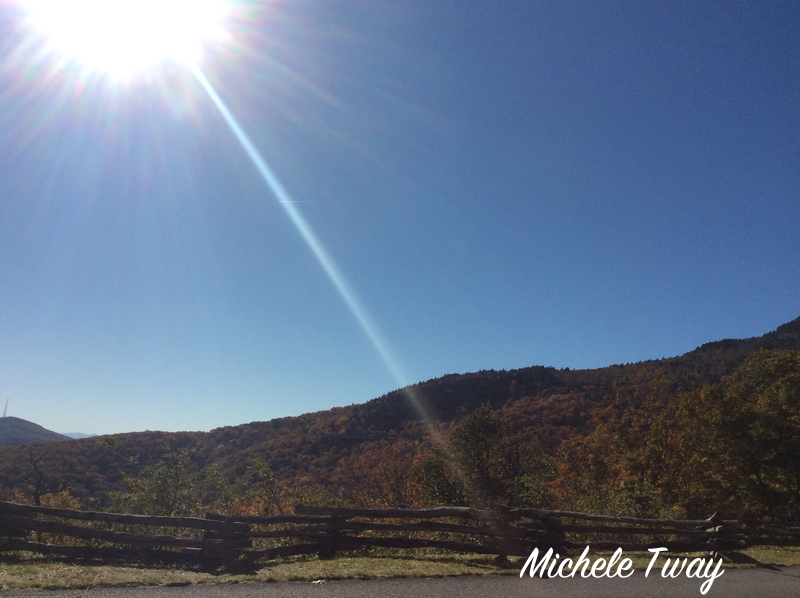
(501,184)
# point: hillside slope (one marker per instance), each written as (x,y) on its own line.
(541,407)
(15,431)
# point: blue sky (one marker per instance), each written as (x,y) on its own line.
(501,184)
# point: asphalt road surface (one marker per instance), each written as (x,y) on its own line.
(734,583)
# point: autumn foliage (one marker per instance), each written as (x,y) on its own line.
(717,429)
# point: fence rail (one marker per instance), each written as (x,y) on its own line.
(218,539)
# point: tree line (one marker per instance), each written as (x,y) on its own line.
(651,448)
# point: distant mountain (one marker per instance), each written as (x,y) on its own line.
(15,431)
(77,435)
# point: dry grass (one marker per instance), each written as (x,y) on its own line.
(52,575)
(35,572)
(775,555)
(383,567)
(30,571)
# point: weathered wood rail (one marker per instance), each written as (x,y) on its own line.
(223,539)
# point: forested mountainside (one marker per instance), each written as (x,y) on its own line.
(544,422)
(14,431)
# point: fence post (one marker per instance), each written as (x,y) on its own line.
(329,541)
(503,528)
(224,547)
(229,552)
(211,551)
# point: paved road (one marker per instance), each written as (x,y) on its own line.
(734,583)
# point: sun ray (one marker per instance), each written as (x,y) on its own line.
(347,294)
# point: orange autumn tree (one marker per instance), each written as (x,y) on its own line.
(380,475)
(632,460)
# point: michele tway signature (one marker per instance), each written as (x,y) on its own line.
(552,565)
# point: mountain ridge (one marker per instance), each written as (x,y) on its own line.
(542,406)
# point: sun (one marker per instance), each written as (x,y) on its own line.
(124,37)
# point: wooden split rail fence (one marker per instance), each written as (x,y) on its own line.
(217,539)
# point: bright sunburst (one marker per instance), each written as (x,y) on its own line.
(123,37)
